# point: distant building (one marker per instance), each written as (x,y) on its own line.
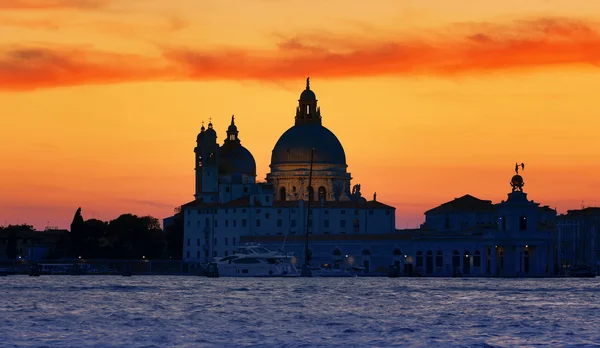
(32,245)
(578,234)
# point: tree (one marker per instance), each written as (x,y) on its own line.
(13,232)
(77,233)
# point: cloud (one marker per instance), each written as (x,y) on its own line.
(31,68)
(461,49)
(51,4)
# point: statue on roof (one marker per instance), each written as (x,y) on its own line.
(517,165)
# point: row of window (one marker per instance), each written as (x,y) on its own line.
(226,241)
(244,222)
(279,211)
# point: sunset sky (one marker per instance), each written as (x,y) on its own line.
(101,100)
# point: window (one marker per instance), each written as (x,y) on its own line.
(267,216)
(215,242)
(439,259)
(447,223)
(243,222)
(234,222)
(245,190)
(225,241)
(257,222)
(326,223)
(233,241)
(343,212)
(207,222)
(419,258)
(226,223)
(371,212)
(227,189)
(326,212)
(477,259)
(356,225)
(216,224)
(257,211)
(188,253)
(279,223)
(189,221)
(523,223)
(226,252)
(198,224)
(198,242)
(244,211)
(198,254)
(356,212)
(387,212)
(188,242)
(342,223)
(267,198)
(214,254)
(294,223)
(397,252)
(322,193)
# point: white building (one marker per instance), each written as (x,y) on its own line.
(229,204)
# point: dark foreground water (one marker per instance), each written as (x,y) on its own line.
(164,311)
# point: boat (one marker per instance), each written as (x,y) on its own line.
(582,272)
(331,272)
(254,261)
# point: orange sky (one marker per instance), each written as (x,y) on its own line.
(101,100)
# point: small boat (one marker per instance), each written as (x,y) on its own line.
(331,272)
(126,274)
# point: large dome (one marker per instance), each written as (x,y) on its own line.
(234,158)
(295,146)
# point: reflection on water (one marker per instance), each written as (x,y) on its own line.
(163,311)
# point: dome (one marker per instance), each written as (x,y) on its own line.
(296,144)
(308,95)
(234,158)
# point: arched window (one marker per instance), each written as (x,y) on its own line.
(366,252)
(311,193)
(397,252)
(282,194)
(356,225)
(477,259)
(337,252)
(456,259)
(419,258)
(322,193)
(429,262)
(439,259)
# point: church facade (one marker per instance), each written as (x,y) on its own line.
(308,191)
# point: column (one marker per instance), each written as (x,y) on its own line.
(493,255)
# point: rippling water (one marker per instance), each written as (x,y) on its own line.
(162,311)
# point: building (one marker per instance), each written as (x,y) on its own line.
(230,206)
(308,190)
(578,234)
(30,245)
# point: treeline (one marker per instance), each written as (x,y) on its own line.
(126,237)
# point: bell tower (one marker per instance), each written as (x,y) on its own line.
(307,111)
(207,164)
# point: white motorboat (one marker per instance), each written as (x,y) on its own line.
(256,261)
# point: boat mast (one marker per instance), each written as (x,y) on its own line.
(306,272)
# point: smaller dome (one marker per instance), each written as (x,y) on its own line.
(210,133)
(308,95)
(200,136)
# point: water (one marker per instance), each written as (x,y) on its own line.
(171,311)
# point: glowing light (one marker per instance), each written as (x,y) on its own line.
(405,256)
(346,255)
(143,257)
(527,246)
(79,256)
